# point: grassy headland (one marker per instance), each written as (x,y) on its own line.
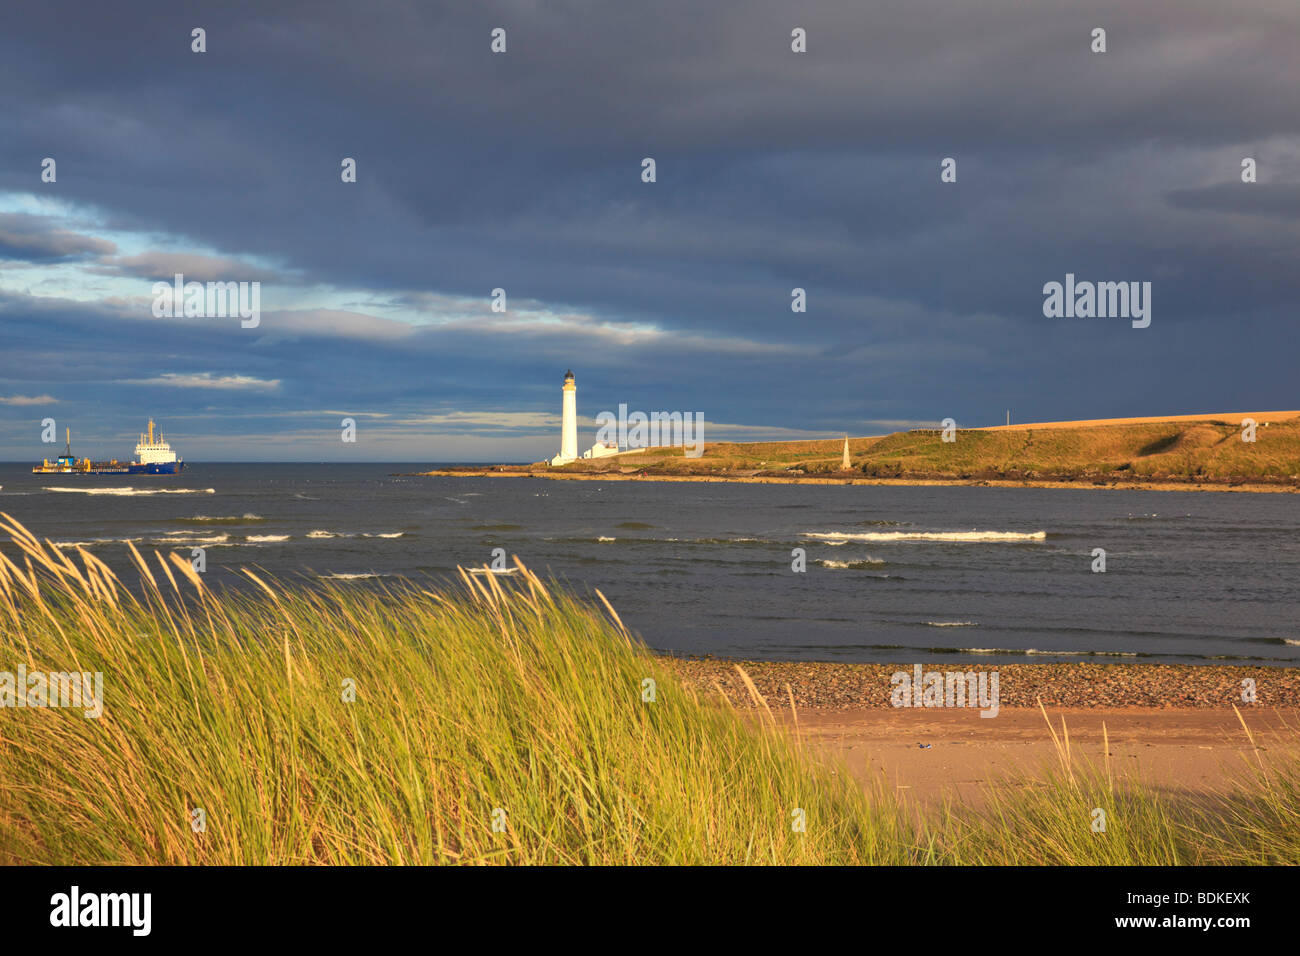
(487,700)
(1195,453)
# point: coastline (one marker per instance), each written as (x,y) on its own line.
(1077,484)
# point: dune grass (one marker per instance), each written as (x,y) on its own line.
(493,719)
(503,695)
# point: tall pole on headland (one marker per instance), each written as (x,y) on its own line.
(847,463)
(569,422)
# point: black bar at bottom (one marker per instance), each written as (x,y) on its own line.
(334,905)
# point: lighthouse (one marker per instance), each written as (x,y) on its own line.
(568,423)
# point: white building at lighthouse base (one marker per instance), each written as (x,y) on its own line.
(599,450)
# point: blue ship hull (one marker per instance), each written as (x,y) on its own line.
(161,468)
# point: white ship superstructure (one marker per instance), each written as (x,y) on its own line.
(155,456)
(153,452)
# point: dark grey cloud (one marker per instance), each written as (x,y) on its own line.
(1268,200)
(775,170)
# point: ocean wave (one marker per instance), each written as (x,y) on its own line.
(842,565)
(951,623)
(962,537)
(129,491)
(222,519)
(493,570)
(603,538)
(320,534)
(187,540)
(255,538)
(352,577)
(93,543)
(1287,640)
(1035,652)
(718,540)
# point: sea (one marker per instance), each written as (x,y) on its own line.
(890,573)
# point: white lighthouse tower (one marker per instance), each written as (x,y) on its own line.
(568,423)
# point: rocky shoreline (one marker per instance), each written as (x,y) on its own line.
(1278,485)
(836,686)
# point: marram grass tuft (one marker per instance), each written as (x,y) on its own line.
(494,719)
(498,701)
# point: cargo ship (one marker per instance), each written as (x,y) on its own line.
(152,457)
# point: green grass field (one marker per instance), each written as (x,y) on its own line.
(488,700)
(1210,450)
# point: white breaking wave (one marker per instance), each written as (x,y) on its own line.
(603,538)
(861,563)
(391,534)
(493,570)
(246,517)
(952,536)
(267,537)
(96,541)
(321,534)
(1288,640)
(128,490)
(951,623)
(186,539)
(352,577)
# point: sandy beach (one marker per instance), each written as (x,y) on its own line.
(1172,727)
(933,755)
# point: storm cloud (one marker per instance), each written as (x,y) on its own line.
(522,171)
